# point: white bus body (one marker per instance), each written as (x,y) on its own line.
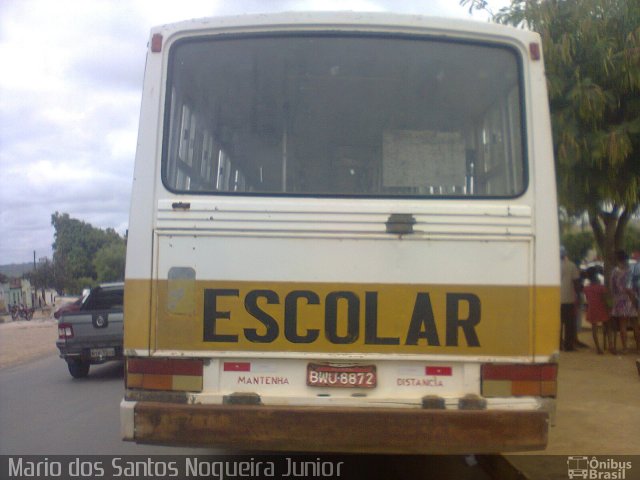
(343,237)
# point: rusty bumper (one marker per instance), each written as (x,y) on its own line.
(340,429)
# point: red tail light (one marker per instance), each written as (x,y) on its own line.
(65,331)
(156,43)
(165,374)
(534,51)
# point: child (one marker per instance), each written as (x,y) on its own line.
(597,310)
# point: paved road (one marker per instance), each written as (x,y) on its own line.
(43,411)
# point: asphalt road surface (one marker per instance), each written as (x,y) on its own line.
(43,411)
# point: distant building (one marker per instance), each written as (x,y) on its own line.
(4,296)
(21,292)
(15,291)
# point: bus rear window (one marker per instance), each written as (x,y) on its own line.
(343,115)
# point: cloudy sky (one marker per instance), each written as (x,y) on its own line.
(70,93)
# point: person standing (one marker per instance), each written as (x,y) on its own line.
(569,288)
(598,311)
(624,299)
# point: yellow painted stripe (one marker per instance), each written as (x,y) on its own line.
(137,314)
(513,320)
(546,321)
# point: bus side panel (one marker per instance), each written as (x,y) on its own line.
(365,296)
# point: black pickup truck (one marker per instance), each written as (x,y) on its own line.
(93,334)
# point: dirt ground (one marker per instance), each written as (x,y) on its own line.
(22,341)
(598,403)
(598,412)
(598,408)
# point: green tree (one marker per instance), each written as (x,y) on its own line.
(77,285)
(75,249)
(43,276)
(577,245)
(592,61)
(109,262)
(632,239)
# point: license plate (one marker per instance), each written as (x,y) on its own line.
(341,376)
(103,352)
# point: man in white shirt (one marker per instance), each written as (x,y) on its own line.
(569,288)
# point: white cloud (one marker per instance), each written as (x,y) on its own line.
(70,97)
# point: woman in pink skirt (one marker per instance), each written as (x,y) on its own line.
(598,311)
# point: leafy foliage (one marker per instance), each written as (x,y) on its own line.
(109,262)
(43,275)
(577,245)
(83,255)
(632,239)
(592,62)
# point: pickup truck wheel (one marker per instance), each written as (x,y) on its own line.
(78,368)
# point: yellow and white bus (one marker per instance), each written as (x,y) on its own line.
(343,237)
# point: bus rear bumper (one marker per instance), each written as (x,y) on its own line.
(334,429)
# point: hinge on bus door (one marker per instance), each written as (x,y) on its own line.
(400,223)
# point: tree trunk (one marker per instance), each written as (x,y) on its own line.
(608,229)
